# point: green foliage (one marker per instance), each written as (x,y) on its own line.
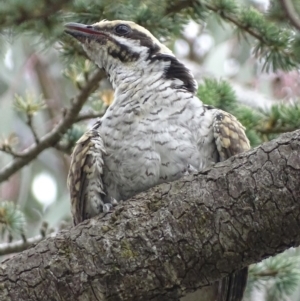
(270,37)
(261,125)
(70,138)
(12,219)
(281,118)
(218,94)
(221,95)
(78,73)
(37,16)
(276,276)
(276,46)
(29,104)
(74,133)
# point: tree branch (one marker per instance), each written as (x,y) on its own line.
(31,126)
(234,18)
(89,115)
(19,246)
(16,15)
(290,13)
(175,8)
(172,239)
(10,151)
(55,134)
(276,130)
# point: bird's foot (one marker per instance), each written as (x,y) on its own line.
(108,207)
(189,170)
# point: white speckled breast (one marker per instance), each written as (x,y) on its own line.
(151,140)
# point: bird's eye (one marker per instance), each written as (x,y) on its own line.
(122,29)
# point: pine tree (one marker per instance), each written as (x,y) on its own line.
(227,43)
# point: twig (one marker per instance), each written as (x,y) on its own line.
(30,124)
(277,130)
(185,4)
(238,24)
(55,134)
(42,13)
(180,5)
(268,273)
(67,146)
(91,115)
(9,151)
(290,12)
(21,245)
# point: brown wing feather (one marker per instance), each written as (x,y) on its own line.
(76,179)
(232,287)
(230,139)
(85,176)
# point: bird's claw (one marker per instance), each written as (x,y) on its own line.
(108,207)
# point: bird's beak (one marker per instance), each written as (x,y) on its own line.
(81,30)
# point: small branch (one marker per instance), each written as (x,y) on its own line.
(43,12)
(21,245)
(277,130)
(236,22)
(30,124)
(67,146)
(91,115)
(55,134)
(290,12)
(25,243)
(11,152)
(189,3)
(180,5)
(268,273)
(184,4)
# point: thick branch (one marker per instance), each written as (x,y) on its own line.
(172,239)
(55,134)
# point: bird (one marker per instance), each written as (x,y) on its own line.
(156,130)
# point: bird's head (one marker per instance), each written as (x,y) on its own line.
(125,46)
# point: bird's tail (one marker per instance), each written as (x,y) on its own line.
(232,287)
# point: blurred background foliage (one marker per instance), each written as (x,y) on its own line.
(245,55)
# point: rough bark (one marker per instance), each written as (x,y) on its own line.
(172,239)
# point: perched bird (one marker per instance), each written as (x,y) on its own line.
(156,130)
